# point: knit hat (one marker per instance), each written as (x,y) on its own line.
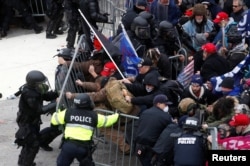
(209,48)
(220,16)
(239,120)
(199,10)
(108,69)
(161,99)
(196,79)
(227,82)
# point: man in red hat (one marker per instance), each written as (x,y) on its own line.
(214,65)
(241,123)
(224,22)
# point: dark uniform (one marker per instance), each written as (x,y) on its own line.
(150,125)
(91,10)
(80,123)
(55,14)
(33,94)
(190,140)
(73,18)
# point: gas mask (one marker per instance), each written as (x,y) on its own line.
(42,88)
(143,32)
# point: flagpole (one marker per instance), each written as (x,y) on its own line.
(101,43)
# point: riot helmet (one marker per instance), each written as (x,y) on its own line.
(37,80)
(148,16)
(167,30)
(191,123)
(35,77)
(83,101)
(141,27)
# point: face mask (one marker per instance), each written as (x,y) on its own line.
(165,109)
(42,88)
(149,89)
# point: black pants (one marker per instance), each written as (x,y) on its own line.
(30,148)
(48,134)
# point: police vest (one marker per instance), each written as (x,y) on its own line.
(186,143)
(84,118)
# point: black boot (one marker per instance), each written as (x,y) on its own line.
(3,33)
(50,36)
(38,29)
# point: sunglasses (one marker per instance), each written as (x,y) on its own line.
(235,6)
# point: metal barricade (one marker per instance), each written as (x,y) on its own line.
(115,145)
(213,131)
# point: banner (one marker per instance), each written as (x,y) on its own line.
(237,73)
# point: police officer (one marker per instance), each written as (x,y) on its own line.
(80,123)
(151,123)
(91,10)
(33,93)
(55,14)
(189,140)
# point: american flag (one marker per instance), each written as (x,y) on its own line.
(186,75)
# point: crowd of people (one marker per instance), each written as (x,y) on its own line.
(174,119)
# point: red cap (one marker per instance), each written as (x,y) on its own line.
(108,69)
(209,48)
(239,120)
(220,16)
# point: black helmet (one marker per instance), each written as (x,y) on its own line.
(233,35)
(191,123)
(148,16)
(141,27)
(167,30)
(35,77)
(83,101)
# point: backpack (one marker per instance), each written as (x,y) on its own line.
(114,92)
(173,90)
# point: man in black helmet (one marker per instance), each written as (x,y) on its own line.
(80,123)
(189,140)
(33,93)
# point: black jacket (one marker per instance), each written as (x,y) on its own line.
(151,123)
(214,65)
(91,10)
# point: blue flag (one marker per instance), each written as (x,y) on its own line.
(237,73)
(130,59)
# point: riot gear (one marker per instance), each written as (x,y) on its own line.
(167,30)
(141,28)
(83,101)
(191,123)
(35,77)
(148,16)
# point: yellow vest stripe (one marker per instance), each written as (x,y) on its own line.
(78,125)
